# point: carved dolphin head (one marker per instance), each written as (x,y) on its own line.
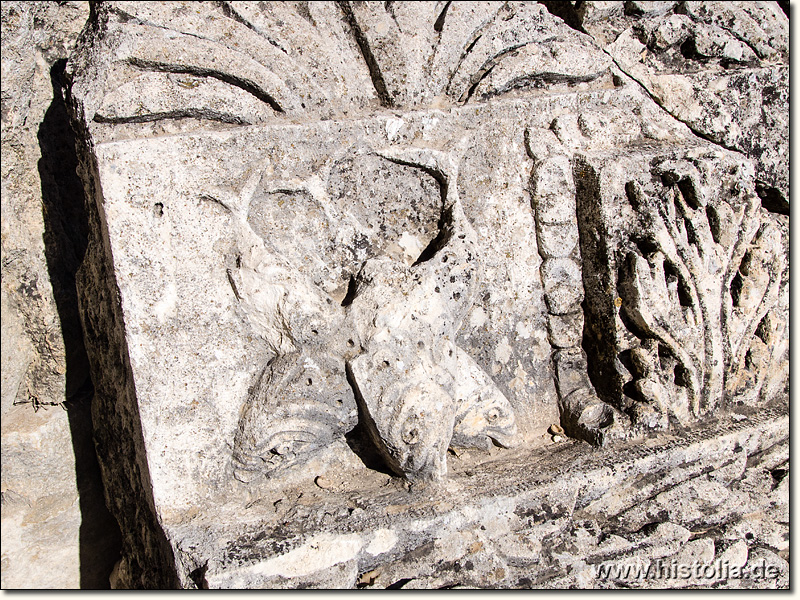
(417,431)
(406,408)
(482,418)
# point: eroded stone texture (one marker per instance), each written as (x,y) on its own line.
(350,255)
(720,67)
(56,532)
(680,290)
(555,516)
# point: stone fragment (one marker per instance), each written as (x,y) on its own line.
(720,67)
(565,331)
(56,530)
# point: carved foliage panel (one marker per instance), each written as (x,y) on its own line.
(693,274)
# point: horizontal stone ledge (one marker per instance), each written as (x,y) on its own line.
(505,516)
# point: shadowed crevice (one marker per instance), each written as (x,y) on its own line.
(248,86)
(772,199)
(65,241)
(187,113)
(364,439)
(569,12)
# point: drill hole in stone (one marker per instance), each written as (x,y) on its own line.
(158,209)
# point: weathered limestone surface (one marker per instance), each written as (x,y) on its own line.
(49,479)
(553,516)
(720,67)
(353,271)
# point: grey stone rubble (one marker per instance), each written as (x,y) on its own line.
(354,270)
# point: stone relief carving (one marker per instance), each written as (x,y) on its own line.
(553,196)
(299,403)
(404,283)
(441,225)
(688,286)
(384,264)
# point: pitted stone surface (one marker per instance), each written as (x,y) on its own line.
(354,270)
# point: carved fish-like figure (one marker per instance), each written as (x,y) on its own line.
(414,392)
(484,415)
(404,369)
(417,401)
(298,406)
(406,405)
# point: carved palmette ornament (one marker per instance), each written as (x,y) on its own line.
(700,271)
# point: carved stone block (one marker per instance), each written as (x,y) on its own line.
(359,258)
(678,281)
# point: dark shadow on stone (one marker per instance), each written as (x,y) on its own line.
(772,199)
(570,12)
(65,241)
(400,583)
(358,441)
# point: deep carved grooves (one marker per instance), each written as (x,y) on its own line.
(476,37)
(710,375)
(439,23)
(686,272)
(737,348)
(231,13)
(663,336)
(248,86)
(544,77)
(735,257)
(186,113)
(363,44)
